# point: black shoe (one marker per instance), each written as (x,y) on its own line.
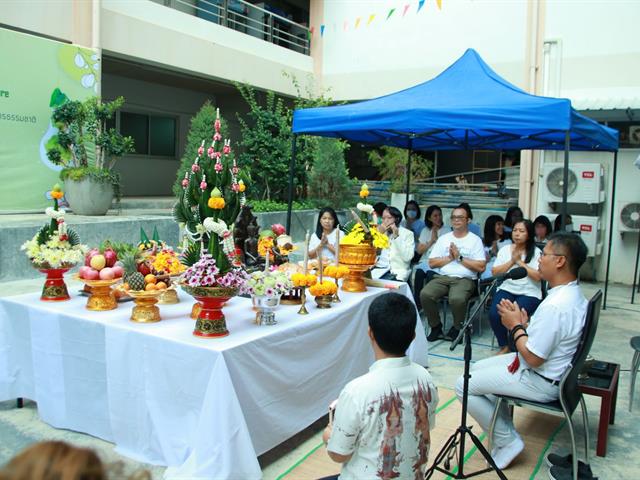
(452,334)
(435,334)
(560,473)
(555,460)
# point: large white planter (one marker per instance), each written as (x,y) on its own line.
(87,197)
(399,200)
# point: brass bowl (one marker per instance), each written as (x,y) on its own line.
(324,301)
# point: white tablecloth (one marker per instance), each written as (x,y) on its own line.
(203,407)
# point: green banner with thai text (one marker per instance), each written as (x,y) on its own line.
(36,74)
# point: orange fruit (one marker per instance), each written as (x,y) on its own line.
(150,286)
(150,278)
(125,286)
(161,285)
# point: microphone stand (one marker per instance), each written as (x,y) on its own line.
(450,448)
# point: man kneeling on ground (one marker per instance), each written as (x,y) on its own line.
(383,418)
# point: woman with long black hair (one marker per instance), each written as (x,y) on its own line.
(525,291)
(324,239)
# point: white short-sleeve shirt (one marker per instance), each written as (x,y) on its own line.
(314,241)
(425,236)
(523,286)
(555,329)
(470,246)
(383,420)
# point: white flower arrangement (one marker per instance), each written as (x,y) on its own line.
(365,207)
(53,253)
(270,284)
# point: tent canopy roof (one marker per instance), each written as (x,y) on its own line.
(466,107)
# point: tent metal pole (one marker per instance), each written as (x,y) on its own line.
(611,213)
(565,180)
(292,165)
(635,272)
(408,175)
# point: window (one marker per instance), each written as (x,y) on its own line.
(153,135)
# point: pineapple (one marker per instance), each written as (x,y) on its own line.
(131,274)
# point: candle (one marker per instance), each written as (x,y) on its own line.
(320,266)
(337,247)
(266,260)
(306,252)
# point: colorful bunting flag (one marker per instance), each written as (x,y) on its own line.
(439,2)
(390,13)
(420,5)
(406,7)
(345,26)
(322,30)
(357,22)
(371,17)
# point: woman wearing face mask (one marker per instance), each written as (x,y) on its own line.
(412,220)
(525,291)
(434,228)
(324,240)
(493,240)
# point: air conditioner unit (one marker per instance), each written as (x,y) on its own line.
(585,182)
(589,229)
(634,135)
(628,216)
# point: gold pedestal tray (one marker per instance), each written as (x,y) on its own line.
(102,297)
(168,297)
(359,259)
(145,310)
(292,297)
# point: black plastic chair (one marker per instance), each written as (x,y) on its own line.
(570,394)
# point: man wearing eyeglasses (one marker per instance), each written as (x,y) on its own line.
(545,347)
(459,257)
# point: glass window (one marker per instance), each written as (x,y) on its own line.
(136,125)
(162,136)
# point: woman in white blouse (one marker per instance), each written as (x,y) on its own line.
(324,239)
(525,291)
(493,240)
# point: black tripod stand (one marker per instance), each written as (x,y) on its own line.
(454,446)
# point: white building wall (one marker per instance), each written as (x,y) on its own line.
(52,19)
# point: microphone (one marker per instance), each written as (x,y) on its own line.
(514,274)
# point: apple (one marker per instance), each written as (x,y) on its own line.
(110,257)
(107,273)
(90,254)
(144,268)
(83,271)
(98,262)
(92,274)
(118,271)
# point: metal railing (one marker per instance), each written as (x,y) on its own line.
(249,19)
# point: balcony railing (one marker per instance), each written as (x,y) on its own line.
(250,19)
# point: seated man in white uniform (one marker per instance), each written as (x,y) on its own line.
(545,345)
(383,419)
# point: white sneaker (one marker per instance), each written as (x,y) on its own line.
(503,456)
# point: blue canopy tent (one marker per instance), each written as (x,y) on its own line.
(467,107)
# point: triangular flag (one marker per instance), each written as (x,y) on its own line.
(357,22)
(311,30)
(390,13)
(345,26)
(420,5)
(406,7)
(321,30)
(371,17)
(439,2)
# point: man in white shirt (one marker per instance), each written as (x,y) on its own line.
(459,256)
(382,422)
(545,346)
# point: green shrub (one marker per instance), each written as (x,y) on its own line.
(329,182)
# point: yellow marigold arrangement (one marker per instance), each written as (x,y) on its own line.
(334,271)
(265,244)
(327,287)
(168,262)
(357,236)
(364,191)
(302,280)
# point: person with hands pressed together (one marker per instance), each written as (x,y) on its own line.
(545,345)
(394,263)
(459,257)
(382,422)
(526,291)
(324,239)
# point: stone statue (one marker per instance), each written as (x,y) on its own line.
(250,245)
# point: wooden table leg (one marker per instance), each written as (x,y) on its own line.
(603,424)
(614,401)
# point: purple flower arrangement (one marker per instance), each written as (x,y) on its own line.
(205,273)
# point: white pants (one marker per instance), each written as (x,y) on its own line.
(490,376)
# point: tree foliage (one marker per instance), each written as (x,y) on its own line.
(391,163)
(329,183)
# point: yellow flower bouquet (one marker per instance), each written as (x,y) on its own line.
(334,271)
(326,287)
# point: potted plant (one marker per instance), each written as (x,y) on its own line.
(87,151)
